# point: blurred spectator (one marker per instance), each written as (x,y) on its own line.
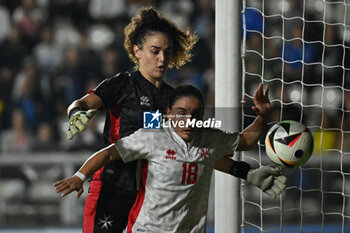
(13,50)
(254,63)
(16,139)
(47,53)
(102,10)
(6,83)
(28,17)
(74,11)
(203,19)
(253,21)
(5,20)
(90,59)
(326,140)
(118,43)
(110,62)
(26,94)
(209,79)
(296,53)
(333,56)
(179,11)
(44,140)
(135,5)
(48,57)
(69,85)
(346,125)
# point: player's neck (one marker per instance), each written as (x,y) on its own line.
(157,82)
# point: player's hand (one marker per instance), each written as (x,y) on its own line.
(268,179)
(262,103)
(78,122)
(69,185)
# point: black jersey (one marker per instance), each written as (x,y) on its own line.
(126,96)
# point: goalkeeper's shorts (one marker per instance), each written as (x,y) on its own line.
(105,212)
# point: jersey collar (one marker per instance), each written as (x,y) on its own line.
(170,130)
(146,81)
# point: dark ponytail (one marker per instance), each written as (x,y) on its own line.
(185,91)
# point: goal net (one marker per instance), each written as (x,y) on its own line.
(301,49)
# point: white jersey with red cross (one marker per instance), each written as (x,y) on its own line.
(173,193)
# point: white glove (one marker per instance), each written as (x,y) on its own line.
(78,122)
(268,179)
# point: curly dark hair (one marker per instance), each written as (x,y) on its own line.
(150,20)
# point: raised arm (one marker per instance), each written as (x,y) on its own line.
(252,133)
(91,165)
(81,111)
(268,179)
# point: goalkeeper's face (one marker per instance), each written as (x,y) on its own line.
(154,55)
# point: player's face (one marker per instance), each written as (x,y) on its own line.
(154,56)
(185,109)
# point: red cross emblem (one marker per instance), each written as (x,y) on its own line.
(204,153)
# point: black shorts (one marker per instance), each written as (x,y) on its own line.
(104,211)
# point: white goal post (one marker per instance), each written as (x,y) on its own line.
(227,107)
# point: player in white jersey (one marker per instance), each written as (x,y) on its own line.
(178,164)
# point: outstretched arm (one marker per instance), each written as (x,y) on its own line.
(268,179)
(252,133)
(91,165)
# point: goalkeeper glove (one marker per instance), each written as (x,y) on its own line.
(78,120)
(268,179)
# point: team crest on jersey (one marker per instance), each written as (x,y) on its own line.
(204,152)
(170,154)
(105,222)
(144,100)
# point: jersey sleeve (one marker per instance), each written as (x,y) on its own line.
(113,90)
(135,146)
(225,142)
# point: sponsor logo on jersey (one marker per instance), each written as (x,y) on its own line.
(144,101)
(204,153)
(170,154)
(152,120)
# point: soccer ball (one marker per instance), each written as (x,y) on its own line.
(289,143)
